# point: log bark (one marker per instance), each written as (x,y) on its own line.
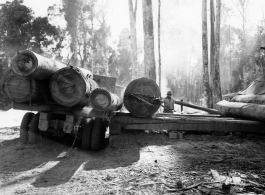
(25,89)
(242,110)
(28,63)
(142,97)
(103,100)
(71,86)
(253,99)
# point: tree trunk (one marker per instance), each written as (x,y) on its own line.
(133,37)
(159,50)
(212,20)
(217,94)
(149,54)
(207,93)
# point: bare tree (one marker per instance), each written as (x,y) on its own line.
(133,37)
(207,93)
(159,50)
(149,54)
(217,94)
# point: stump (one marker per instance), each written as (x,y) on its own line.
(25,89)
(25,63)
(142,97)
(71,86)
(103,100)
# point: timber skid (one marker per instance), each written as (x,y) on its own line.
(185,122)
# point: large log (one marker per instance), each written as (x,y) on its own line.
(26,63)
(142,97)
(103,100)
(25,89)
(71,86)
(253,99)
(242,110)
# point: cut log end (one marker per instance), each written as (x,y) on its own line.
(67,87)
(100,99)
(18,88)
(24,63)
(140,97)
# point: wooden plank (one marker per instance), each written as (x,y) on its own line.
(251,127)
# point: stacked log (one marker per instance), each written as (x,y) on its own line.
(25,89)
(142,97)
(28,63)
(103,100)
(71,86)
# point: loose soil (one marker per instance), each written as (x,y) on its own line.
(135,162)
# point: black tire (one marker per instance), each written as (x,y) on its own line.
(34,129)
(98,134)
(86,133)
(24,127)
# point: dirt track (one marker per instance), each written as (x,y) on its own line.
(133,163)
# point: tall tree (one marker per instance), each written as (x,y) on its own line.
(217,94)
(207,93)
(212,22)
(72,10)
(149,54)
(159,50)
(133,37)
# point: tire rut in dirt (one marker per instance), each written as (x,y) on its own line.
(98,134)
(34,130)
(86,133)
(24,127)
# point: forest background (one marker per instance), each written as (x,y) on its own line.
(104,42)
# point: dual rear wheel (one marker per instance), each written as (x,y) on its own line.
(92,137)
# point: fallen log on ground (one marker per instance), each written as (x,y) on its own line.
(26,63)
(25,89)
(142,97)
(71,86)
(103,100)
(242,110)
(209,110)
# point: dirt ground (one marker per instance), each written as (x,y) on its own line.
(135,162)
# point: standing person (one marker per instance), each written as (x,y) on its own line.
(168,103)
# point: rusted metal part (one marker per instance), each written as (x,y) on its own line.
(71,86)
(142,97)
(25,89)
(28,63)
(103,100)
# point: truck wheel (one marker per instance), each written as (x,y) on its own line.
(98,134)
(24,127)
(86,134)
(33,129)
